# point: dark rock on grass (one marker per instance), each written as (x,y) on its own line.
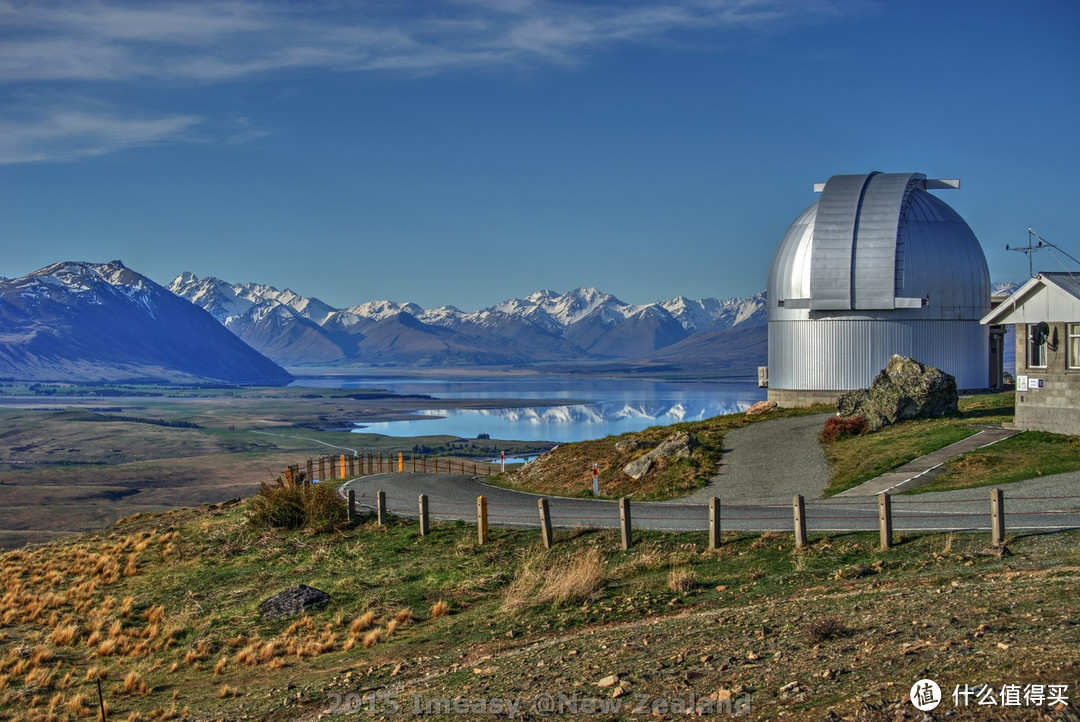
(295,600)
(677,446)
(905,389)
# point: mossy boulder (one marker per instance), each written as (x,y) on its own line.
(905,389)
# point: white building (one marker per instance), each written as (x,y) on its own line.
(877,266)
(1046,312)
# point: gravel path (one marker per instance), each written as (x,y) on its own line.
(770,462)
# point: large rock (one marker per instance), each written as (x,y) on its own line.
(295,600)
(761,407)
(905,389)
(678,445)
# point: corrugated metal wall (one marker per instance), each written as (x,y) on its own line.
(843,354)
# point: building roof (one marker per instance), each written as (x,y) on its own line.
(879,242)
(1049,296)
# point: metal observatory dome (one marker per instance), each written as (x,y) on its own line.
(877,266)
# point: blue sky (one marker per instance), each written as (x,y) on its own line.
(466,151)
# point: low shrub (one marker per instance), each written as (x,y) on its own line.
(822,629)
(838,427)
(316,507)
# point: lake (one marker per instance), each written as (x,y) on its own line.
(595,408)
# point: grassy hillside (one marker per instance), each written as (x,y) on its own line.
(567,470)
(163,610)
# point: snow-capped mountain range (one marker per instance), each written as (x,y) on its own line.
(583,324)
(75,321)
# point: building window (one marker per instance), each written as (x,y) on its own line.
(1074,345)
(1036,347)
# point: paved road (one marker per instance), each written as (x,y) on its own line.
(1039,504)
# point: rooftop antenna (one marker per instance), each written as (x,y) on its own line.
(1038,243)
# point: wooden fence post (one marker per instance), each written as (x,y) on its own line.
(799,509)
(423,515)
(310,470)
(412,458)
(884,506)
(322,468)
(423,464)
(997,518)
(352,504)
(624,522)
(371,463)
(380,506)
(481,520)
(378,458)
(714,523)
(545,522)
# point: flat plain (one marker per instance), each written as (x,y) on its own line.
(76,463)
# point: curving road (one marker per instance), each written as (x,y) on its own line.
(1034,505)
(764,465)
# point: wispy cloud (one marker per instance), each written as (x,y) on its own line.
(103,40)
(75,43)
(65,133)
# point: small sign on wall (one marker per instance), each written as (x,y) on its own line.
(1021,383)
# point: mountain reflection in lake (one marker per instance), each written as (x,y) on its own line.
(614,406)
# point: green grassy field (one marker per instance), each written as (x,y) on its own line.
(856,459)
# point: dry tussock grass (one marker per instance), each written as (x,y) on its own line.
(134,684)
(372,638)
(78,705)
(552,579)
(39,678)
(155,614)
(268,651)
(41,656)
(362,623)
(681,579)
(439,609)
(303,623)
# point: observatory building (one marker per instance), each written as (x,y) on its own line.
(877,266)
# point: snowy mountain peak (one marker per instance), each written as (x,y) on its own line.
(229,301)
(379,310)
(1003,288)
